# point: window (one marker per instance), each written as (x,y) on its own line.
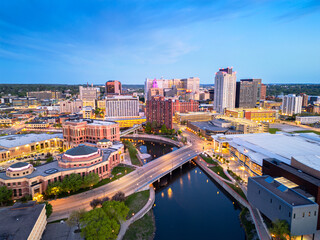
(9,184)
(14,184)
(19,183)
(20,192)
(309,214)
(302,214)
(270,200)
(259,191)
(315,213)
(279,207)
(289,214)
(294,215)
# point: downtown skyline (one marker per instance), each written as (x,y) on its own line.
(76,42)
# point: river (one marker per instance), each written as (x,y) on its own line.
(192,206)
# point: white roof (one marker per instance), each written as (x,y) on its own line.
(312,161)
(281,146)
(11,141)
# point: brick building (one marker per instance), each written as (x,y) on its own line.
(160,110)
(81,131)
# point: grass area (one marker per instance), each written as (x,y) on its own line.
(235,176)
(219,170)
(135,202)
(117,173)
(143,229)
(207,159)
(274,130)
(307,131)
(238,190)
(132,152)
(248,226)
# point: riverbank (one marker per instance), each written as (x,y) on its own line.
(260,229)
(142,221)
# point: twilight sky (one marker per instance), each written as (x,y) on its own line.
(78,41)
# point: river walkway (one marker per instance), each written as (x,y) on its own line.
(125,225)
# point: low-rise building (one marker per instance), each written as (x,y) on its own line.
(81,131)
(23,221)
(282,201)
(37,125)
(246,126)
(24,179)
(71,106)
(253,114)
(307,119)
(14,146)
(193,116)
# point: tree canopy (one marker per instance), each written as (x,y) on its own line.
(75,218)
(72,183)
(90,179)
(5,195)
(280,229)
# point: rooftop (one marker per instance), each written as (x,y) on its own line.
(81,150)
(19,165)
(17,140)
(19,220)
(280,146)
(286,194)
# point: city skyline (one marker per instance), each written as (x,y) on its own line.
(78,42)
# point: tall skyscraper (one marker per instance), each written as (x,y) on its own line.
(113,87)
(291,104)
(224,89)
(304,99)
(248,93)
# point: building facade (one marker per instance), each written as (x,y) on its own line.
(224,90)
(291,104)
(81,131)
(263,92)
(88,93)
(71,106)
(41,95)
(122,106)
(248,93)
(253,114)
(24,180)
(279,201)
(160,110)
(185,106)
(307,119)
(113,87)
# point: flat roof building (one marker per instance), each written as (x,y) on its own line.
(23,221)
(278,201)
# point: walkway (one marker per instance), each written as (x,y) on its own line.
(125,225)
(151,137)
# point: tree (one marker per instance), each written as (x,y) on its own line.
(117,210)
(54,189)
(105,199)
(164,129)
(5,195)
(75,218)
(119,197)
(90,179)
(179,131)
(154,125)
(148,127)
(97,225)
(72,183)
(280,229)
(95,203)
(48,209)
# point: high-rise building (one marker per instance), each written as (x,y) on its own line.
(291,104)
(122,106)
(113,87)
(263,92)
(224,89)
(160,110)
(183,86)
(304,99)
(248,93)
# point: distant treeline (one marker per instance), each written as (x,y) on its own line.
(278,89)
(21,90)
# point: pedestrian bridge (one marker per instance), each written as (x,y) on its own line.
(134,129)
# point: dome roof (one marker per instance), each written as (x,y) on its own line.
(19,165)
(81,150)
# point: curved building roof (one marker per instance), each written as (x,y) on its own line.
(19,165)
(81,150)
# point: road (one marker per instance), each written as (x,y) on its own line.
(128,184)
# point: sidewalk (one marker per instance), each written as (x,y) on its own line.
(125,225)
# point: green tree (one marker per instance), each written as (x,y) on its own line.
(119,197)
(164,129)
(90,179)
(148,127)
(75,218)
(54,189)
(179,131)
(72,183)
(5,195)
(96,225)
(280,229)
(48,209)
(154,125)
(116,210)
